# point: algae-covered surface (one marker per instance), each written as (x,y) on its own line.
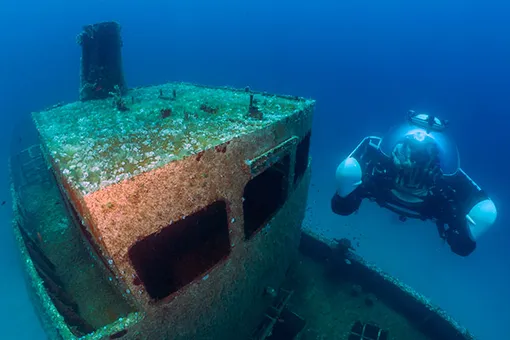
(330,306)
(101,142)
(44,216)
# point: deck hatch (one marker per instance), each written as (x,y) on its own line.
(366,331)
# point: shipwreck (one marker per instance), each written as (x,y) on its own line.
(175,211)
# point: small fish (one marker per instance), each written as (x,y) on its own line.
(3,202)
(39,237)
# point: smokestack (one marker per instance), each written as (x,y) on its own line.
(101,61)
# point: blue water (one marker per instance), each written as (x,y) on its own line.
(365,62)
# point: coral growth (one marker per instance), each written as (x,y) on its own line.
(95,146)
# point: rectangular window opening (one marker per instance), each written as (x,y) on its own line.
(302,157)
(264,195)
(182,251)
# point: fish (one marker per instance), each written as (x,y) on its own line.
(39,237)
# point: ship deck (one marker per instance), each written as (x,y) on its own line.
(338,295)
(331,305)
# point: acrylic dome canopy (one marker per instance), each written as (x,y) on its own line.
(448,153)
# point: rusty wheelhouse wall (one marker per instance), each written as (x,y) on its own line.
(230,293)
